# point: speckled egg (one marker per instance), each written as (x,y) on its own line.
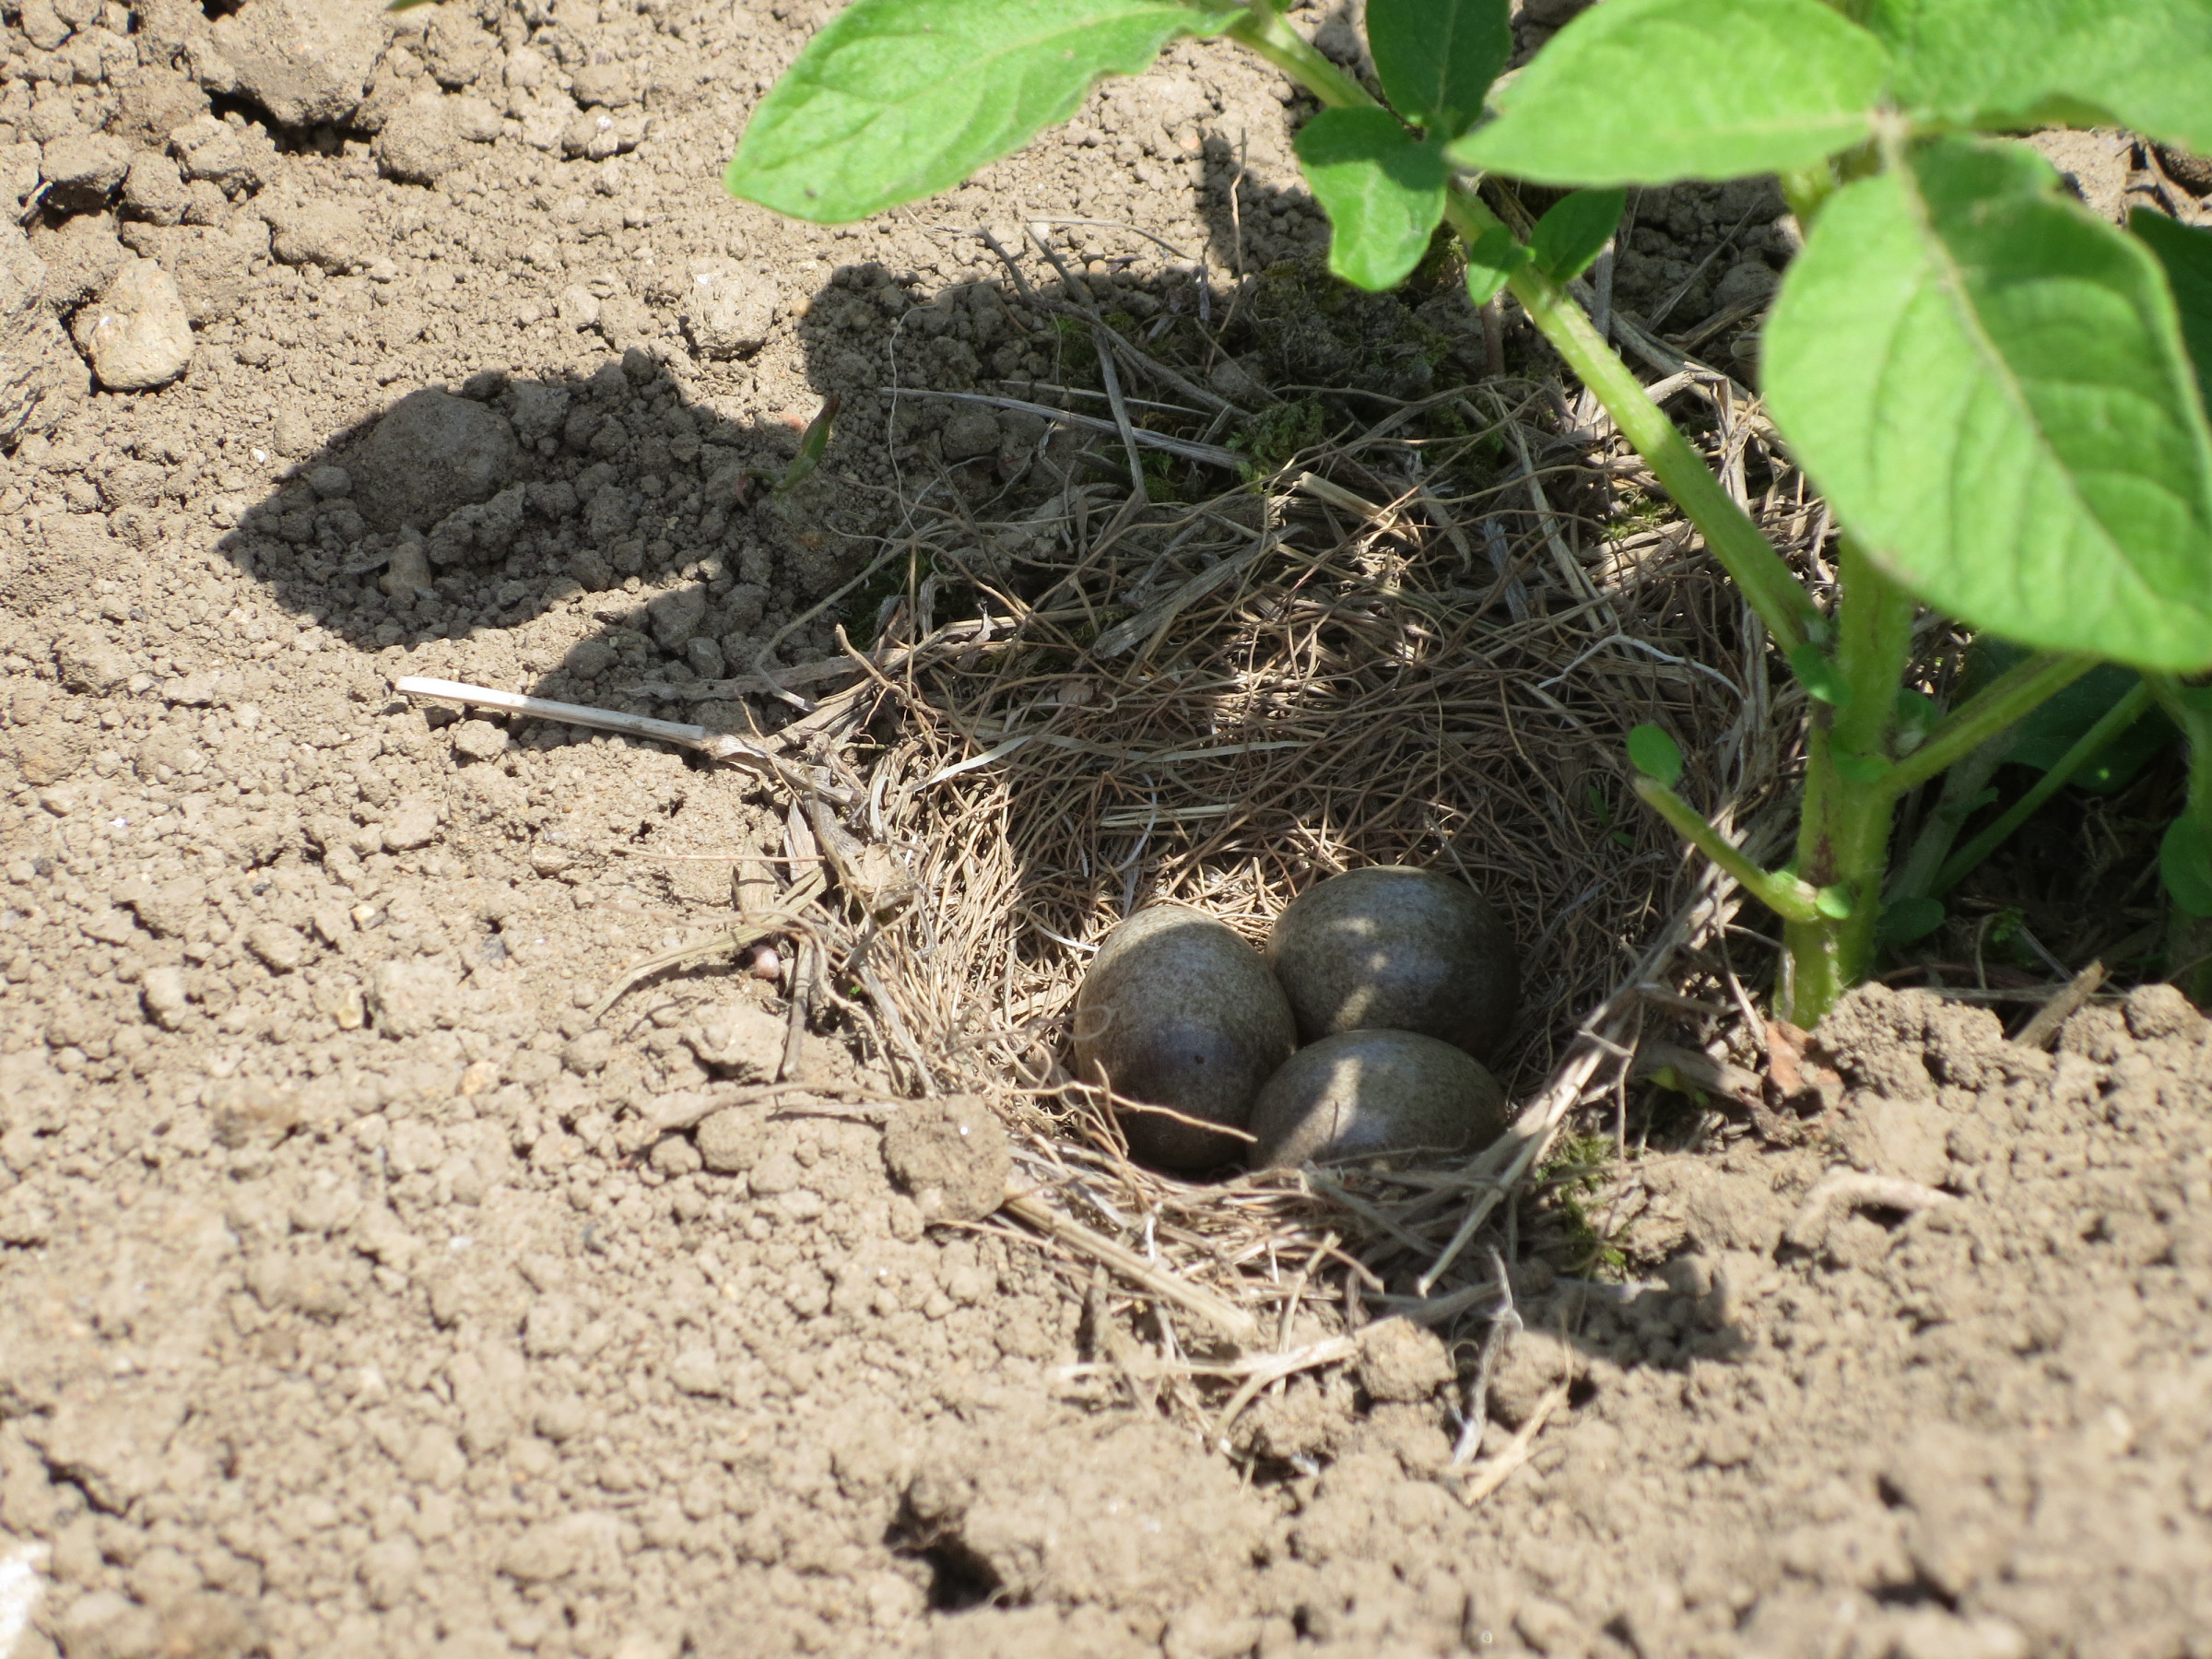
(1392,946)
(1363,1094)
(1179,1011)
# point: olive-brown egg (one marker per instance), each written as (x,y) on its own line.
(1179,1011)
(1363,1094)
(1392,946)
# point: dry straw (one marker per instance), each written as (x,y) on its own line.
(1395,649)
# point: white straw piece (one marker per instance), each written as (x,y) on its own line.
(722,745)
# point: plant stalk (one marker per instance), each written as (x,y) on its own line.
(2117,719)
(1785,895)
(1843,829)
(1735,540)
(1982,716)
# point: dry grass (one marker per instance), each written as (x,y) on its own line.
(1368,658)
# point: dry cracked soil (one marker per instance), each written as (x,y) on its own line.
(360,1294)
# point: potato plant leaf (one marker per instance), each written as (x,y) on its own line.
(1650,91)
(900,99)
(1655,754)
(1493,258)
(1573,229)
(1905,920)
(1989,385)
(1436,58)
(2186,865)
(1383,187)
(2140,64)
(2187,256)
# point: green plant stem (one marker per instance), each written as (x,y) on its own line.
(2012,694)
(1785,895)
(1747,555)
(2117,719)
(1873,644)
(1843,826)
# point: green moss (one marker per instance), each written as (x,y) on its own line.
(1578,1169)
(1280,431)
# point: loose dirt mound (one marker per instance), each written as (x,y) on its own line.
(362,1293)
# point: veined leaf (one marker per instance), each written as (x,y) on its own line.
(2140,64)
(1650,91)
(1436,58)
(1383,187)
(1988,383)
(1573,229)
(2187,256)
(900,99)
(1492,261)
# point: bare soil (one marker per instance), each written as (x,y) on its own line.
(362,1294)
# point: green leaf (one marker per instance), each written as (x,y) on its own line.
(1436,58)
(2021,63)
(1655,754)
(1822,680)
(1382,188)
(2186,865)
(2187,256)
(1988,384)
(1492,261)
(1569,236)
(900,99)
(1909,919)
(1834,903)
(1650,91)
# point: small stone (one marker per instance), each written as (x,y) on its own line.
(589,1051)
(303,61)
(163,991)
(423,140)
(625,322)
(677,616)
(970,433)
(730,313)
(579,306)
(479,740)
(408,573)
(91,664)
(139,336)
(280,948)
(323,234)
(730,1140)
(82,169)
(431,453)
(604,84)
(414,824)
(154,190)
(951,1154)
(588,659)
(1401,1361)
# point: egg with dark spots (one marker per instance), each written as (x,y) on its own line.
(1375,1093)
(1406,949)
(1179,1012)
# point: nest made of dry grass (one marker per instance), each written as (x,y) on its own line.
(1395,648)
